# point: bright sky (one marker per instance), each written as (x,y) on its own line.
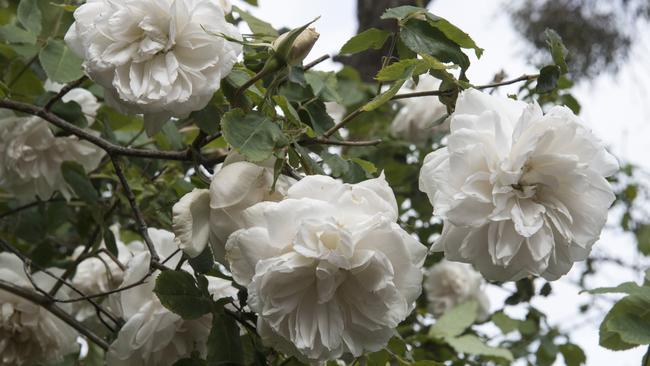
(615,107)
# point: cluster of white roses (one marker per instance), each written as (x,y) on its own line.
(328,269)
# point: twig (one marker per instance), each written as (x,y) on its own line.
(358,111)
(508,82)
(315,62)
(27,263)
(107,146)
(55,310)
(142,226)
(322,141)
(64,91)
(343,122)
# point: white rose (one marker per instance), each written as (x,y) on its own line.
(448,284)
(152,334)
(29,334)
(155,57)
(521,193)
(329,272)
(415,120)
(31,157)
(209,216)
(86,100)
(100,273)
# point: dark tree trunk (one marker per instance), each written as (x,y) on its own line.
(368,15)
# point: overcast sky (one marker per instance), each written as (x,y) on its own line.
(615,106)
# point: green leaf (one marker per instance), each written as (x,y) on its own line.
(471,344)
(455,34)
(627,324)
(547,80)
(109,241)
(316,113)
(643,238)
(371,38)
(424,39)
(629,288)
(369,167)
(505,323)
(630,317)
(224,343)
(59,63)
(12,34)
(397,70)
(29,15)
(178,292)
(75,175)
(573,355)
(288,110)
(455,320)
(384,97)
(190,362)
(402,12)
(207,119)
(256,25)
(324,85)
(252,134)
(558,50)
(203,262)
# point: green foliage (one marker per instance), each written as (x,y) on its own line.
(371,38)
(75,175)
(224,343)
(179,292)
(58,61)
(258,26)
(252,134)
(29,15)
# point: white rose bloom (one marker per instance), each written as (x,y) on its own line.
(209,216)
(521,193)
(100,273)
(155,57)
(415,120)
(29,334)
(86,100)
(448,284)
(328,269)
(152,334)
(31,157)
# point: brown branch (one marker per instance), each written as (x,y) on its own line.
(27,264)
(141,225)
(107,146)
(315,62)
(64,90)
(359,110)
(508,82)
(343,122)
(323,141)
(43,301)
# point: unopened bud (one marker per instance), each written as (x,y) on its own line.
(294,53)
